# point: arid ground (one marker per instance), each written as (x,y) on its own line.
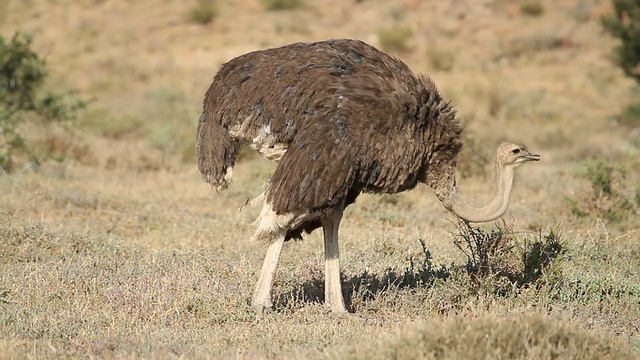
(115,247)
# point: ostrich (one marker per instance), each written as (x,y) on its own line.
(340,118)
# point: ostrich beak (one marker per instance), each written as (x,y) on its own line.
(527,156)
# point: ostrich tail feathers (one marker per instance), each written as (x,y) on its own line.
(216,152)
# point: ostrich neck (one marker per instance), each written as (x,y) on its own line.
(495,208)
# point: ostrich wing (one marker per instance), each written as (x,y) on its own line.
(318,170)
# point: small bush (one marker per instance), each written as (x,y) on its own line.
(532,7)
(539,255)
(486,252)
(609,196)
(395,39)
(498,261)
(203,12)
(599,175)
(280,5)
(21,73)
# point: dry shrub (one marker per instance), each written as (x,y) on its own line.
(499,261)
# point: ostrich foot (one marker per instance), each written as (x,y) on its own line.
(261,309)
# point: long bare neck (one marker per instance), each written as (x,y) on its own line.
(495,208)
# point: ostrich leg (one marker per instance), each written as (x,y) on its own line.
(261,301)
(332,288)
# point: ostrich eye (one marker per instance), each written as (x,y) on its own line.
(516,151)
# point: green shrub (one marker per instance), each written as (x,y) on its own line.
(531,7)
(395,39)
(22,75)
(624,24)
(599,175)
(609,197)
(631,115)
(203,12)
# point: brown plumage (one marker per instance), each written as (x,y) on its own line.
(341,118)
(352,117)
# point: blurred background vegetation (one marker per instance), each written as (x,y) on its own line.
(149,88)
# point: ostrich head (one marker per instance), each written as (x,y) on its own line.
(513,155)
(509,157)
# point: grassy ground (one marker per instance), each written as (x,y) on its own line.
(121,251)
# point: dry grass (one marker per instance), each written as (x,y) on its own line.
(516,336)
(106,270)
(121,251)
